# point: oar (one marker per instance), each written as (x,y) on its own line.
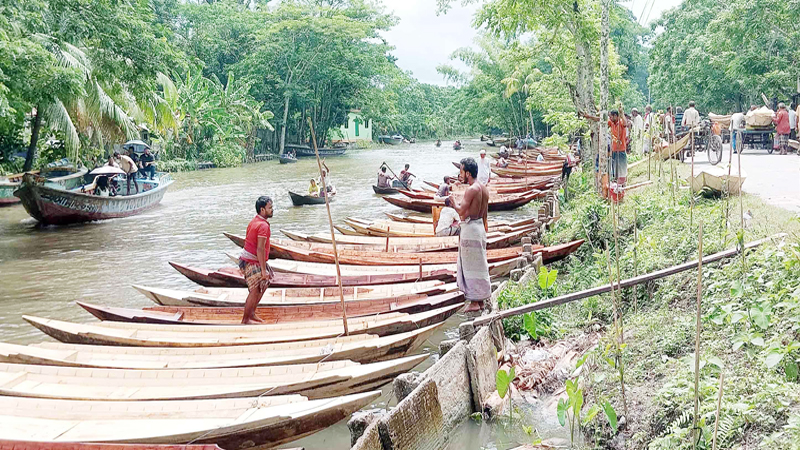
(330,223)
(395,175)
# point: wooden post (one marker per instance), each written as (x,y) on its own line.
(691,194)
(420,268)
(436,211)
(387,238)
(719,407)
(330,224)
(697,334)
(728,184)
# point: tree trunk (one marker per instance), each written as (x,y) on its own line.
(604,29)
(285,123)
(37,126)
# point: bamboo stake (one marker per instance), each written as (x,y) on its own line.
(691,194)
(635,255)
(618,335)
(387,238)
(330,224)
(719,407)
(728,184)
(615,218)
(697,335)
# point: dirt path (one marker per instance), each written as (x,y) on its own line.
(774,178)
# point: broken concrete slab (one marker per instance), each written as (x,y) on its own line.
(416,423)
(360,421)
(405,383)
(482,364)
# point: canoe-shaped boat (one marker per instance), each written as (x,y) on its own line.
(154,335)
(326,247)
(66,176)
(716,178)
(304,150)
(382,228)
(499,269)
(232,276)
(328,379)
(272,313)
(384,190)
(365,258)
(258,422)
(38,445)
(286,159)
(300,200)
(523,173)
(236,296)
(51,204)
(419,219)
(363,348)
(391,140)
(409,244)
(505,203)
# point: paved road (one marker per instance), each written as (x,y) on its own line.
(774,178)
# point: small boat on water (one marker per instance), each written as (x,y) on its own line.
(300,200)
(391,140)
(323,380)
(384,190)
(250,422)
(305,150)
(457,145)
(64,175)
(155,335)
(287,159)
(51,204)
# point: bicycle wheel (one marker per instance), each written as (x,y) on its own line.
(714,149)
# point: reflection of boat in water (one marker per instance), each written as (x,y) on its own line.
(50,203)
(391,140)
(64,175)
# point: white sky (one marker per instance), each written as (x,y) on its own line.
(423,40)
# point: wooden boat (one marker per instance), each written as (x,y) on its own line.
(236,296)
(716,179)
(66,176)
(324,247)
(522,173)
(271,312)
(362,258)
(384,190)
(312,268)
(328,379)
(300,200)
(257,422)
(419,219)
(304,150)
(232,277)
(52,204)
(504,203)
(285,159)
(38,445)
(363,348)
(154,335)
(391,140)
(412,244)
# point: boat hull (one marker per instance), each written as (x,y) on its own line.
(300,200)
(7,193)
(287,160)
(384,191)
(301,150)
(53,206)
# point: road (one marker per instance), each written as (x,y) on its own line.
(774,178)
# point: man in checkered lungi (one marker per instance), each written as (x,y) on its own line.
(783,129)
(253,260)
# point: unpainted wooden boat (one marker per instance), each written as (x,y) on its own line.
(257,422)
(273,313)
(504,203)
(391,140)
(363,348)
(304,150)
(325,247)
(154,335)
(284,159)
(322,380)
(232,277)
(236,296)
(523,173)
(51,204)
(382,228)
(384,190)
(412,244)
(300,200)
(39,445)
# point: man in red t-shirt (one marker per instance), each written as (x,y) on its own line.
(617,127)
(783,128)
(253,261)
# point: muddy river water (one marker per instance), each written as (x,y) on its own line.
(43,271)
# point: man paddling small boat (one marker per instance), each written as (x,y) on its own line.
(253,260)
(473,267)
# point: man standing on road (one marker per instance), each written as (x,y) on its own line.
(737,125)
(792,122)
(781,120)
(253,260)
(484,169)
(691,118)
(473,269)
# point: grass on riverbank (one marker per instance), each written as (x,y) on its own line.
(750,318)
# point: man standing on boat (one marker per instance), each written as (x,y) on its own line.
(484,169)
(473,268)
(129,166)
(253,260)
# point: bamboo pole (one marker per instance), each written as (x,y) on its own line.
(580,295)
(635,254)
(728,184)
(619,333)
(691,194)
(719,407)
(697,334)
(330,224)
(395,175)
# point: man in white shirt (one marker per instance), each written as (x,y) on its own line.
(691,118)
(638,127)
(792,122)
(484,169)
(449,221)
(648,126)
(737,125)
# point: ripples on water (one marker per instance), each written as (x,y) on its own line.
(44,270)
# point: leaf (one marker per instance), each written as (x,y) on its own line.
(758,341)
(542,278)
(551,278)
(736,289)
(716,361)
(563,405)
(529,322)
(503,380)
(760,318)
(577,403)
(791,370)
(773,358)
(590,414)
(611,415)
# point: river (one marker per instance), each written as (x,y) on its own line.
(44,270)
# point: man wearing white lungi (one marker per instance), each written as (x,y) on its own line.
(473,268)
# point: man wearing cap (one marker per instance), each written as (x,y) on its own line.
(484,169)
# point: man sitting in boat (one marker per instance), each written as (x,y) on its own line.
(383,178)
(444,190)
(502,162)
(148,163)
(127,165)
(405,176)
(504,152)
(449,222)
(313,189)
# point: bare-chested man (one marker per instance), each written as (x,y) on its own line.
(473,268)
